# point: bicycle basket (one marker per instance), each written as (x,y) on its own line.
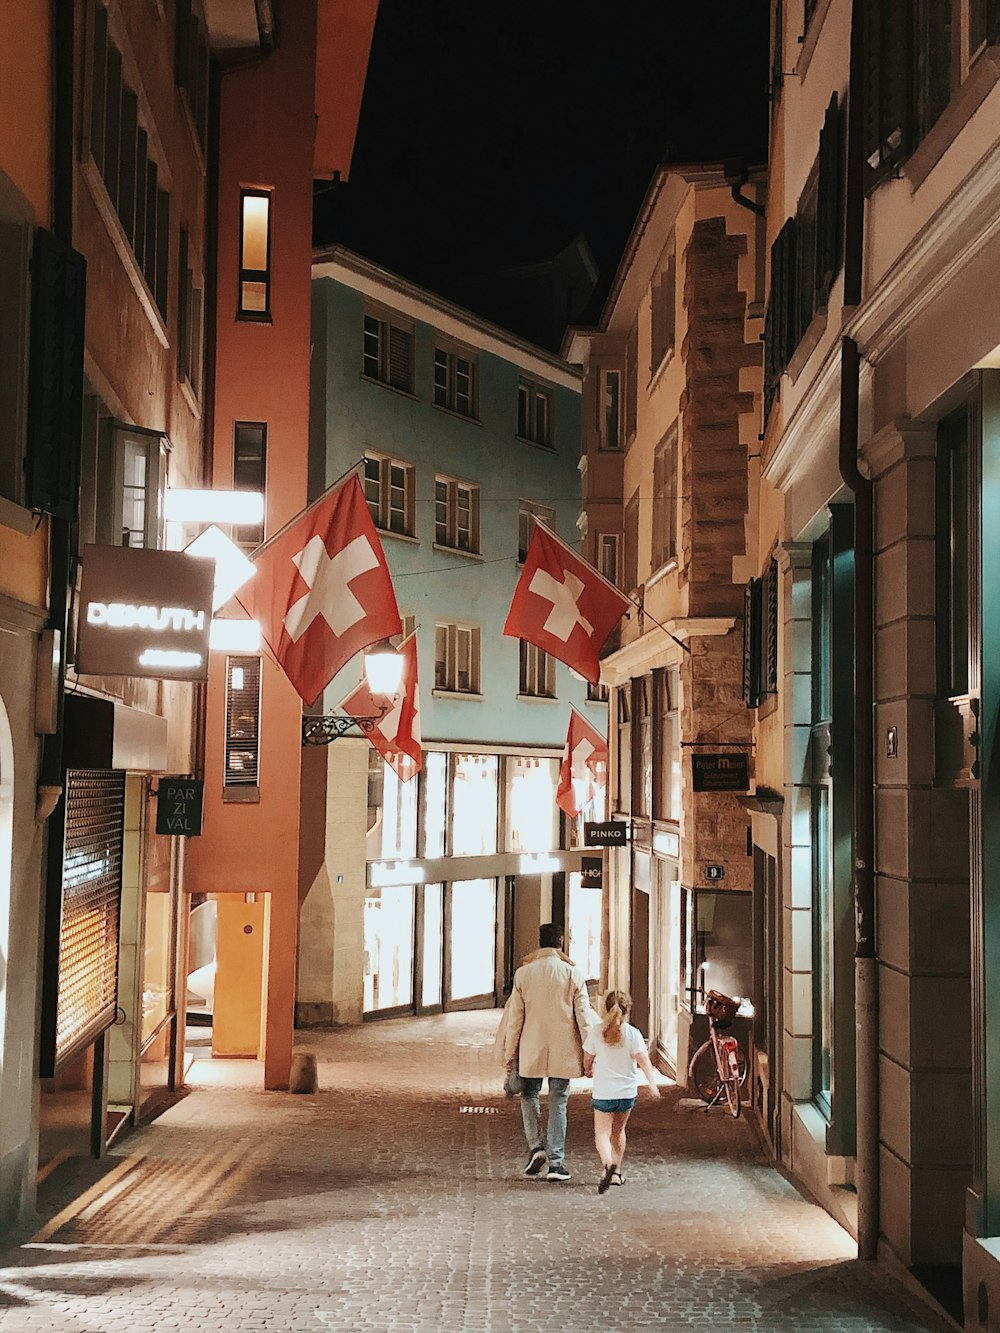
(720,1008)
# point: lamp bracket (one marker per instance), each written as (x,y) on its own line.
(324,728)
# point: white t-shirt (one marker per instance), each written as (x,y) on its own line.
(615,1073)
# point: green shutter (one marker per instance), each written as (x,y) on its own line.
(55,385)
(829,204)
(888,92)
(781,322)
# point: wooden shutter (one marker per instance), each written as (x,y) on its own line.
(888,91)
(781,322)
(829,204)
(55,381)
(400,358)
(751,644)
(769,630)
(932,63)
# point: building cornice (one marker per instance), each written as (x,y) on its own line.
(657,648)
(361,275)
(812,428)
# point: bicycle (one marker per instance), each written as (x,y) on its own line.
(719,1066)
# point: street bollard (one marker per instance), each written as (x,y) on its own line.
(303,1076)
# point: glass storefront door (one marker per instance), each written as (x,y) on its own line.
(584,920)
(389,923)
(472,942)
(430,962)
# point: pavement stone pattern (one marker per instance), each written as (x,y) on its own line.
(379,1204)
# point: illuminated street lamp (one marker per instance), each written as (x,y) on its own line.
(383,672)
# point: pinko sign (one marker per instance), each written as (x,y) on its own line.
(144,613)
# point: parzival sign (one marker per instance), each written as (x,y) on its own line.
(179,805)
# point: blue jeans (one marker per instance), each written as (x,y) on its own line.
(553,1139)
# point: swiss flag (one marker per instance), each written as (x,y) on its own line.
(563,605)
(584,766)
(322,591)
(396,734)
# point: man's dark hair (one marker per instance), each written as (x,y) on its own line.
(550,936)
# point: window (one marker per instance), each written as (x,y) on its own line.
(665,500)
(389,488)
(632,543)
(597,694)
(538,672)
(534,411)
(456,515)
(606,555)
(663,319)
(250,472)
(255,254)
(15,262)
(642,803)
(528,514)
(455,382)
(631,379)
(953,556)
(624,767)
(760,637)
(242,759)
(609,408)
(387,352)
(191,66)
(190,320)
(668,779)
(456,658)
(119,147)
(131,480)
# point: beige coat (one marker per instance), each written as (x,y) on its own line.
(547,1017)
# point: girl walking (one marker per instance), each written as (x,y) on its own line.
(611,1053)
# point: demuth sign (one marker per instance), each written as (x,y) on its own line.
(144,613)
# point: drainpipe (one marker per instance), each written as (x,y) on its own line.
(865,956)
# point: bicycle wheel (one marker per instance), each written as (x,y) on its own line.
(704,1072)
(733,1097)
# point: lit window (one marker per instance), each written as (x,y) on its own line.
(532,813)
(250,472)
(255,254)
(387,353)
(242,758)
(135,461)
(456,515)
(528,513)
(456,658)
(538,672)
(455,382)
(533,413)
(389,486)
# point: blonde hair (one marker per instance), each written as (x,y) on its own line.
(617,1003)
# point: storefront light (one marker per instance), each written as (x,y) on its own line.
(234,636)
(243,508)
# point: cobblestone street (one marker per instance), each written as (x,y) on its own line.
(381,1204)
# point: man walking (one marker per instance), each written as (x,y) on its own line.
(548,1017)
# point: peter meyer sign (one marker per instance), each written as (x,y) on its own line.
(144,613)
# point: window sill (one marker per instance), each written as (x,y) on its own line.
(116,233)
(241,795)
(457,550)
(657,372)
(810,37)
(661,572)
(536,699)
(191,398)
(807,345)
(407,537)
(393,388)
(457,694)
(17,518)
(253,317)
(953,119)
(536,444)
(459,416)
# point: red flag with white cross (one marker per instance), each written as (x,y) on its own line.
(396,734)
(322,590)
(584,766)
(563,605)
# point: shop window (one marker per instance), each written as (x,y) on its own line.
(534,413)
(389,490)
(584,926)
(531,811)
(388,936)
(528,514)
(719,952)
(473,929)
(255,255)
(666,500)
(387,352)
(953,556)
(433,935)
(455,382)
(456,658)
(668,786)
(242,749)
(434,803)
(456,515)
(609,405)
(474,805)
(399,815)
(537,676)
(250,472)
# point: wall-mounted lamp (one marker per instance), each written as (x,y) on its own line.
(383,672)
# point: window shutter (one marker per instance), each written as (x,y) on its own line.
(55,384)
(888,68)
(828,203)
(751,643)
(242,722)
(781,321)
(400,358)
(769,627)
(992,22)
(932,62)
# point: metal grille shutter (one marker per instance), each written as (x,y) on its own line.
(751,643)
(91,896)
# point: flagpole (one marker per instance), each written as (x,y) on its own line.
(607,582)
(308,509)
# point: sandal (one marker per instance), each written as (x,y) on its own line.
(605,1181)
(617,1178)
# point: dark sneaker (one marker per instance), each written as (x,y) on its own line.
(558,1171)
(536,1161)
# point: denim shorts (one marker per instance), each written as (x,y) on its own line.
(610,1104)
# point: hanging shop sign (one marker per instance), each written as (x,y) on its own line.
(610,834)
(720,772)
(592,872)
(178,806)
(144,613)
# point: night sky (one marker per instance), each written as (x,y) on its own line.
(494,133)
